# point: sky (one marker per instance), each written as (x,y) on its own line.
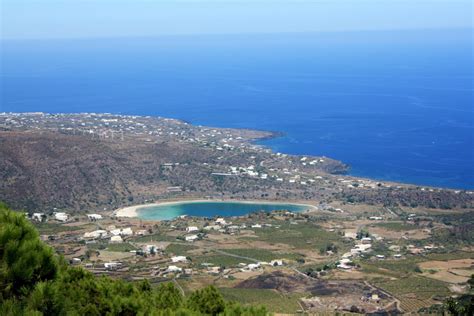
(45,19)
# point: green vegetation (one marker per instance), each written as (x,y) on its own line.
(261,254)
(301,236)
(54,228)
(155,237)
(422,288)
(122,247)
(276,302)
(179,249)
(34,281)
(397,226)
(220,260)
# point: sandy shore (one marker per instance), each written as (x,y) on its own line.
(131,211)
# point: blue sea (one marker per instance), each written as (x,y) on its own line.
(394,105)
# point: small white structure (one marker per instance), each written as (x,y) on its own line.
(276,263)
(112,265)
(253,266)
(191,237)
(212,227)
(345,264)
(116,240)
(60,216)
(380,256)
(366,240)
(256,226)
(150,249)
(221,221)
(95,234)
(76,261)
(115,232)
(375,218)
(179,259)
(38,217)
(174,269)
(94,217)
(126,232)
(191,229)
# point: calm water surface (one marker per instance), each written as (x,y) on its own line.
(394,105)
(211,209)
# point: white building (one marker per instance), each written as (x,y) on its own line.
(276,263)
(178,259)
(37,217)
(191,237)
(95,234)
(191,229)
(116,240)
(94,217)
(221,221)
(173,269)
(60,216)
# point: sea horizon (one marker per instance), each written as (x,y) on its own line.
(394,105)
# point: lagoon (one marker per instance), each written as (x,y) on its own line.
(167,211)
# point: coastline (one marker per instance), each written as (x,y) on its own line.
(132,211)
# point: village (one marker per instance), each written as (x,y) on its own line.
(318,254)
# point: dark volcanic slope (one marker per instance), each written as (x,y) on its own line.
(43,170)
(100,161)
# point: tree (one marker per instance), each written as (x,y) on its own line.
(24,259)
(207,301)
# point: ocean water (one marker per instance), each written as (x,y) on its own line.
(394,105)
(211,209)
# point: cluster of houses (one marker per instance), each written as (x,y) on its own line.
(364,245)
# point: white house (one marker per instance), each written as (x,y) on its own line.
(253,266)
(95,234)
(94,217)
(112,265)
(191,237)
(375,218)
(173,269)
(366,240)
(276,263)
(60,216)
(256,226)
(37,217)
(345,264)
(116,240)
(178,259)
(126,231)
(221,221)
(191,229)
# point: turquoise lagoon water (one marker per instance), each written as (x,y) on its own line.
(211,209)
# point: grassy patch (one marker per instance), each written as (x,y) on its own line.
(397,226)
(414,287)
(53,228)
(262,254)
(123,247)
(302,236)
(179,249)
(274,301)
(219,260)
(156,237)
